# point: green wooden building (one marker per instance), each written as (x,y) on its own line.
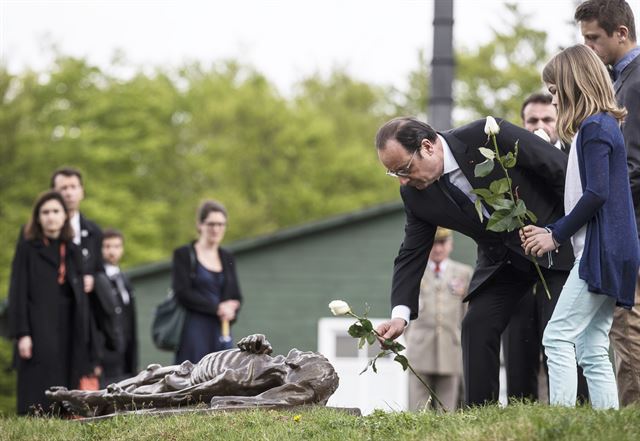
(288,278)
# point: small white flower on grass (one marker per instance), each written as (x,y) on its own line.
(339,307)
(491,127)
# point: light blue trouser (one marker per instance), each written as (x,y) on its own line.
(579,327)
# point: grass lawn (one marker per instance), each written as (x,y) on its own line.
(515,422)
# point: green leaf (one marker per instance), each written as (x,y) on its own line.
(373,365)
(531,215)
(508,160)
(366,324)
(478,204)
(484,193)
(371,339)
(483,169)
(362,342)
(403,361)
(397,347)
(356,331)
(520,209)
(388,343)
(514,224)
(500,186)
(487,153)
(499,221)
(501,204)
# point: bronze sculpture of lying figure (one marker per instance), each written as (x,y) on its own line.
(247,376)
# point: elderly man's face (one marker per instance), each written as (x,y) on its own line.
(424,169)
(541,116)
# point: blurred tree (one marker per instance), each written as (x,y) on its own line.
(496,77)
(415,100)
(153,145)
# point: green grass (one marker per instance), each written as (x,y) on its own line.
(516,422)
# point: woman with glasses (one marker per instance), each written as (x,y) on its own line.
(205,282)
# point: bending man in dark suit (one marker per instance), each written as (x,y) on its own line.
(436,173)
(608,27)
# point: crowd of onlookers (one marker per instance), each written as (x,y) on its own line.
(72,310)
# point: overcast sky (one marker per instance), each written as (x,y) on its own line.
(374,40)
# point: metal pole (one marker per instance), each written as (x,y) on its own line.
(442,66)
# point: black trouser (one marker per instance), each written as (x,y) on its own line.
(522,342)
(490,309)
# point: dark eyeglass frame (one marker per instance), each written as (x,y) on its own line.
(405,171)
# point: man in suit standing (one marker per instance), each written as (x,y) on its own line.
(433,339)
(608,27)
(87,235)
(117,313)
(538,113)
(436,173)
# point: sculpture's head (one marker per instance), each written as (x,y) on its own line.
(314,370)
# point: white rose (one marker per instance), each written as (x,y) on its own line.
(339,307)
(542,134)
(491,126)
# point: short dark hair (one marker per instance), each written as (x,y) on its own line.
(110,233)
(33,229)
(408,131)
(609,13)
(65,171)
(207,207)
(542,98)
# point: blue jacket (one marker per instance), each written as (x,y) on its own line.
(611,256)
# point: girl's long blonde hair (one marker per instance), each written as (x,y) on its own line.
(583,88)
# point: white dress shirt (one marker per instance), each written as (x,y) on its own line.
(113,272)
(75,224)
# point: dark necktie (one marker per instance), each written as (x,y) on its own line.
(437,270)
(612,73)
(122,288)
(461,199)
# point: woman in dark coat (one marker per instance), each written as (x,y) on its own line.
(205,282)
(48,310)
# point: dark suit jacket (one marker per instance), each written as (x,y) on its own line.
(539,180)
(182,273)
(91,246)
(117,323)
(627,89)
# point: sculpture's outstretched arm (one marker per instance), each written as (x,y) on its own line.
(292,394)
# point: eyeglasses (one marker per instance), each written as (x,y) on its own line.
(215,224)
(405,171)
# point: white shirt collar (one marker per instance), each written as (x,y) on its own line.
(450,163)
(443,265)
(111,270)
(75,224)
